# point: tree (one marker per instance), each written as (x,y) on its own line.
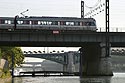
(7,52)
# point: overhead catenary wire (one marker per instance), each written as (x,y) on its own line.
(96,9)
(90,7)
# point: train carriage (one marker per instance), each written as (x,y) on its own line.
(48,23)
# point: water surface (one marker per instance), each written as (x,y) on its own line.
(117,78)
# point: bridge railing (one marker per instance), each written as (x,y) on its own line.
(118,52)
(112,29)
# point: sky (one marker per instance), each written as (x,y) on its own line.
(65,8)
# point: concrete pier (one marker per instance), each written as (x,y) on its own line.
(93,61)
(70,66)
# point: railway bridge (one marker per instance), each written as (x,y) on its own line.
(65,62)
(93,60)
(68,59)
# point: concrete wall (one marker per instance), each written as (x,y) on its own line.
(3,63)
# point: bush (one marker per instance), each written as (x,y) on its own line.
(6,74)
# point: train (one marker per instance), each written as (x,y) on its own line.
(48,23)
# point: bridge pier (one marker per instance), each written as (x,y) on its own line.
(33,67)
(93,61)
(70,66)
(64,67)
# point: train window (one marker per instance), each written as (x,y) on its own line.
(26,22)
(44,22)
(35,22)
(86,23)
(39,22)
(19,22)
(6,21)
(2,21)
(12,21)
(81,24)
(9,22)
(62,23)
(50,23)
(67,23)
(90,24)
(93,24)
(77,23)
(70,23)
(55,23)
(30,22)
(47,23)
(58,23)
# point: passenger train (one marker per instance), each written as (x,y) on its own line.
(48,23)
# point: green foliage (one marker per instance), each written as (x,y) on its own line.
(8,52)
(5,73)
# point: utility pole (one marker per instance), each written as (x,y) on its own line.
(82,9)
(107,28)
(13,58)
(15,21)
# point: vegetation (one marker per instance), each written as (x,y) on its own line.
(5,73)
(7,53)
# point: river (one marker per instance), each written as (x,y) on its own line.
(118,66)
(117,78)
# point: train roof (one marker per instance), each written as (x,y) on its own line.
(48,18)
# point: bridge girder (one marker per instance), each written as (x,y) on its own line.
(59,58)
(56,57)
(41,39)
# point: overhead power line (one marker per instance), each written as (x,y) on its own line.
(98,10)
(90,7)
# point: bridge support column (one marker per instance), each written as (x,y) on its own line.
(33,67)
(65,67)
(93,61)
(70,66)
